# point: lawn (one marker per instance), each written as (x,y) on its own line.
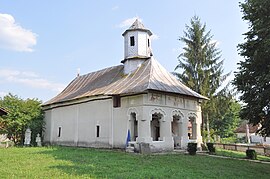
(241,155)
(65,162)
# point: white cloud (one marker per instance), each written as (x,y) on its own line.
(128,22)
(29,78)
(14,37)
(154,37)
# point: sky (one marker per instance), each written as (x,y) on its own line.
(43,44)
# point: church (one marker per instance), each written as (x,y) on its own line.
(126,105)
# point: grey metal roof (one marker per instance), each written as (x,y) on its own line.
(112,81)
(137,25)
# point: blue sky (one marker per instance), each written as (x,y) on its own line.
(43,43)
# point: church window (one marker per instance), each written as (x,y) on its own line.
(116,101)
(155,127)
(148,42)
(98,130)
(132,41)
(59,131)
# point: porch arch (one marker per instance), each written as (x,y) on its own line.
(133,123)
(157,120)
(177,126)
(192,126)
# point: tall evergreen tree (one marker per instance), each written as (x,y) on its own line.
(201,65)
(253,78)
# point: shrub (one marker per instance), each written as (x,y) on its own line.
(192,148)
(204,147)
(211,148)
(251,154)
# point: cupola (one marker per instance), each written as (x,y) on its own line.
(137,46)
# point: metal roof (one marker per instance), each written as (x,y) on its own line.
(112,81)
(137,25)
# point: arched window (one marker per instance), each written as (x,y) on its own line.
(133,126)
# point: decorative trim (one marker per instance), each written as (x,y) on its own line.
(132,110)
(158,111)
(177,112)
(192,114)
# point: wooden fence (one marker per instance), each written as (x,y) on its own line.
(262,150)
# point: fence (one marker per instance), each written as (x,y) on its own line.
(262,150)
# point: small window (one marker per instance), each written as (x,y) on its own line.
(148,42)
(59,132)
(116,101)
(98,131)
(132,41)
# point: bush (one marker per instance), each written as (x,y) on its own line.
(251,154)
(211,148)
(192,148)
(204,147)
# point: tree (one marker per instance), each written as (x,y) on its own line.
(252,79)
(21,114)
(226,123)
(201,65)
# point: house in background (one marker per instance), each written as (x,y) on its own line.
(246,131)
(138,99)
(2,113)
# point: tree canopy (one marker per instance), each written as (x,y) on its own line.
(200,65)
(21,114)
(252,79)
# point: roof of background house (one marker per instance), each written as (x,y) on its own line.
(242,128)
(3,111)
(112,81)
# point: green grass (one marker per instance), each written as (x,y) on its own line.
(64,162)
(236,154)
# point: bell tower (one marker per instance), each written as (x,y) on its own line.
(137,46)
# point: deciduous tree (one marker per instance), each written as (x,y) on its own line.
(21,114)
(252,79)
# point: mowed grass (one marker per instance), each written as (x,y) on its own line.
(240,155)
(68,162)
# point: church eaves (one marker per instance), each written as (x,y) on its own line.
(112,81)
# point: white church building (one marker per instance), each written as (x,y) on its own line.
(138,100)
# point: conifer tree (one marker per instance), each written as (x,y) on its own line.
(200,65)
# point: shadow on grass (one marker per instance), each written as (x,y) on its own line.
(97,163)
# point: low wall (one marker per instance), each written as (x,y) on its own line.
(262,150)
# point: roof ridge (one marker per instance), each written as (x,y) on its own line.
(151,72)
(134,74)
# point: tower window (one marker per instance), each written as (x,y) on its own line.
(148,42)
(59,131)
(132,41)
(116,101)
(98,130)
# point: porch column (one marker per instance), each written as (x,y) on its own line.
(144,131)
(194,130)
(180,133)
(166,130)
(198,128)
(184,129)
